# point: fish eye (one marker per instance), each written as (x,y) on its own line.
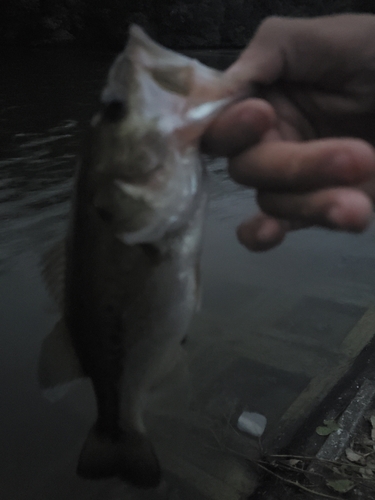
(114,110)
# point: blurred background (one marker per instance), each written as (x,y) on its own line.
(176,23)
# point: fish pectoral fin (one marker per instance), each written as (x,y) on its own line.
(130,456)
(53,271)
(58,362)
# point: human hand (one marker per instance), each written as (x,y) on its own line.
(306,142)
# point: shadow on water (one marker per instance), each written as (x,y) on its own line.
(269,323)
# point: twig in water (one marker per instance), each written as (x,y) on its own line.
(298,485)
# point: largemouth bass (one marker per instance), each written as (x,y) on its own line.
(127,275)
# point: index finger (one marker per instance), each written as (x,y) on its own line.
(238,127)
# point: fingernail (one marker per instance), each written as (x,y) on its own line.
(267,231)
(336,216)
(340,167)
(356,217)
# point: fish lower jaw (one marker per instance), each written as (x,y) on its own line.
(145,235)
(157,231)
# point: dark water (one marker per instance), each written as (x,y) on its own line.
(47,99)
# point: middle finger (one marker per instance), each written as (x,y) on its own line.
(336,208)
(304,166)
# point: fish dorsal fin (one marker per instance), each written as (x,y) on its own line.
(53,271)
(142,50)
(58,363)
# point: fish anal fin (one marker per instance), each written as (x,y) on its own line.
(130,457)
(58,362)
(53,271)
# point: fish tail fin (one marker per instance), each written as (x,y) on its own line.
(58,365)
(130,456)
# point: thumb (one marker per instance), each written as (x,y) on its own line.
(305,50)
(262,61)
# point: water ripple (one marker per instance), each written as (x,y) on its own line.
(35,188)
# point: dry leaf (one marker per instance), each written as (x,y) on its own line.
(371,465)
(331,424)
(329,427)
(368,442)
(366,473)
(353,456)
(293,462)
(341,485)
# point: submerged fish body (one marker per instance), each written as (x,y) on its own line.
(131,256)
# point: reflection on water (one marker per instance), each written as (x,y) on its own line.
(36,185)
(269,323)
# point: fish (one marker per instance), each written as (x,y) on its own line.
(126,276)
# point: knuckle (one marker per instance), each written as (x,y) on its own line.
(266,202)
(270,25)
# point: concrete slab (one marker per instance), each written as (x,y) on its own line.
(248,385)
(320,385)
(325,322)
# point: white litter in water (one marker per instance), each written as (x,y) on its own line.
(252,423)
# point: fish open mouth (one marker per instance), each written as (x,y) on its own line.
(114,110)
